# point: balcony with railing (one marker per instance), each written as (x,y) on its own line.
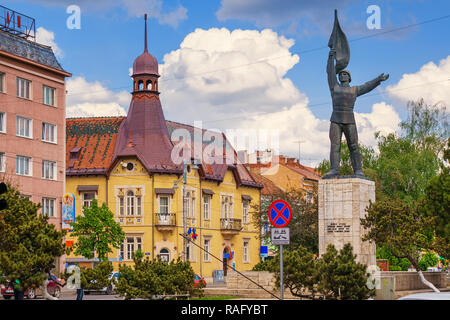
(229,226)
(165,221)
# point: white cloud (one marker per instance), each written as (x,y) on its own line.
(88,99)
(383,118)
(431,82)
(46,37)
(216,69)
(237,80)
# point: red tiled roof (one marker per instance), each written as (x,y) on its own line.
(308,173)
(269,188)
(96,138)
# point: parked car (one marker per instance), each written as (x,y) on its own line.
(427,296)
(53,288)
(7,289)
(107,290)
(199,282)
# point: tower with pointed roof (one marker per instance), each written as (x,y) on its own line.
(143,134)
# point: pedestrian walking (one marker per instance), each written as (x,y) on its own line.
(80,291)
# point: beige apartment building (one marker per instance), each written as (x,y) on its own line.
(32,119)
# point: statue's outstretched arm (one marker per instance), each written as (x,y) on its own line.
(370,85)
(331,70)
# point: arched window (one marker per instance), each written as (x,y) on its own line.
(164,255)
(130,203)
(149,85)
(141,85)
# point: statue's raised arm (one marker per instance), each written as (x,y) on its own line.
(331,70)
(370,85)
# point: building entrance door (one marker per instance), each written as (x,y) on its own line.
(226,260)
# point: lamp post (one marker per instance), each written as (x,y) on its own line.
(185,172)
(183,205)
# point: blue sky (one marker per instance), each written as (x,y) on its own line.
(100,54)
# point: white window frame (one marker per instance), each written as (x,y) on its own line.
(2,122)
(186,204)
(45,96)
(29,170)
(49,170)
(191,252)
(88,202)
(21,129)
(49,130)
(49,207)
(246,251)
(2,82)
(121,206)
(130,203)
(207,248)
(138,201)
(2,161)
(207,207)
(226,207)
(128,248)
(22,86)
(245,211)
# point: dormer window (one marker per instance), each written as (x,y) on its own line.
(75,153)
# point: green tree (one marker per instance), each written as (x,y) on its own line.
(29,244)
(96,232)
(304,222)
(341,277)
(396,223)
(395,264)
(97,278)
(299,272)
(335,275)
(409,160)
(148,279)
(436,203)
(428,260)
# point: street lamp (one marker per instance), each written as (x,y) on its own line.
(186,168)
(175,186)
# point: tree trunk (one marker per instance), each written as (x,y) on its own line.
(422,278)
(426,282)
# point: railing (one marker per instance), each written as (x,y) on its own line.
(165,219)
(228,224)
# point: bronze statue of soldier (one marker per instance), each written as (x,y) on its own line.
(344,96)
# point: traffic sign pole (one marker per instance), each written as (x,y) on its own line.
(281,273)
(280,215)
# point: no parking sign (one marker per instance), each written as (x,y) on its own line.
(280,213)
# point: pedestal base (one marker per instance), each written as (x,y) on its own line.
(342,203)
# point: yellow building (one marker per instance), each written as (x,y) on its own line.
(128,163)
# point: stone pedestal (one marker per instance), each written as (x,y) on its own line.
(342,203)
